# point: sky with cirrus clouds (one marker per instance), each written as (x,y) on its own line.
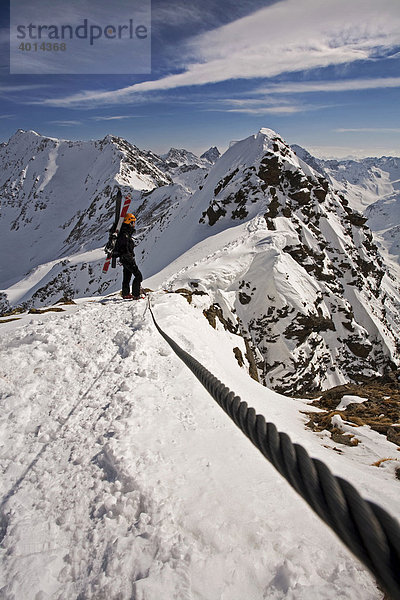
(324,74)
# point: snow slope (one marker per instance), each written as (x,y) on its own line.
(366,180)
(131,481)
(372,186)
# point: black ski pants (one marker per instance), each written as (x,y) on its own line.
(130,268)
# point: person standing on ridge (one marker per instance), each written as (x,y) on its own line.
(124,250)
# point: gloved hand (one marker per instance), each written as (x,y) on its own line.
(109,247)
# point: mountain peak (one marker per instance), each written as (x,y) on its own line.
(115,139)
(270,133)
(25,134)
(211,155)
(179,154)
(28,131)
(179,157)
(23,139)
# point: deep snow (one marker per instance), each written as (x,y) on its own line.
(140,486)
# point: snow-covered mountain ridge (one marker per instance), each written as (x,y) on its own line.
(277,249)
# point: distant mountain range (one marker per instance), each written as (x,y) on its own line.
(267,240)
(372,186)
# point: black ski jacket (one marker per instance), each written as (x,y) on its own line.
(124,246)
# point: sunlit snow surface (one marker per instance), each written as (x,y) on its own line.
(121,478)
(140,486)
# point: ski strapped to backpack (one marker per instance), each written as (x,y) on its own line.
(118,201)
(119,219)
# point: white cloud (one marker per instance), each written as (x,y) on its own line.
(368,130)
(266,110)
(66,123)
(115,118)
(174,15)
(351,152)
(267,105)
(329,86)
(278,109)
(9,89)
(289,36)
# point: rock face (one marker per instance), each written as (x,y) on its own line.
(211,155)
(324,312)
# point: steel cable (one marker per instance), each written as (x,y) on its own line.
(364,527)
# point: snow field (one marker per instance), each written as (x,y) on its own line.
(140,486)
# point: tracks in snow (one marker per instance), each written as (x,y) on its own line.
(143,489)
(83,514)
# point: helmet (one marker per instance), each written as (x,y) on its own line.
(130,219)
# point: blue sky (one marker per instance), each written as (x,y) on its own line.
(324,74)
